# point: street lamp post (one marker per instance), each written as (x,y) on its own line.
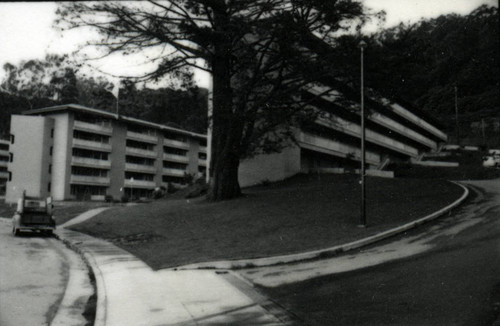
(456,116)
(362,220)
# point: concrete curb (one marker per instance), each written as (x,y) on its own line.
(323,253)
(94,269)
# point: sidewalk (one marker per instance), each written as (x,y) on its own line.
(129,292)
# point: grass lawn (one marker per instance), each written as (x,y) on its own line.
(303,213)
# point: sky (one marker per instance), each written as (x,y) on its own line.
(26,30)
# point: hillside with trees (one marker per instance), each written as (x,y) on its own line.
(55,80)
(422,64)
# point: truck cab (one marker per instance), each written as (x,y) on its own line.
(33,214)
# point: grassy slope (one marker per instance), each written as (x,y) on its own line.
(304,213)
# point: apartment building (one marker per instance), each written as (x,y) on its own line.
(75,152)
(4,161)
(393,132)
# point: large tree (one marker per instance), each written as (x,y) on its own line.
(260,53)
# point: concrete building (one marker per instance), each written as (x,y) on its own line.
(75,152)
(4,161)
(332,143)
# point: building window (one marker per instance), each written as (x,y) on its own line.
(174,151)
(51,150)
(12,138)
(174,165)
(10,176)
(52,133)
(50,168)
(202,156)
(85,153)
(89,172)
(11,157)
(49,186)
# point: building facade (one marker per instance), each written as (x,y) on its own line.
(74,152)
(333,141)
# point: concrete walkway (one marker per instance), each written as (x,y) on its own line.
(130,293)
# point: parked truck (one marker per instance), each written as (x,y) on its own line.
(33,214)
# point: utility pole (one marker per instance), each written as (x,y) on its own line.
(362,220)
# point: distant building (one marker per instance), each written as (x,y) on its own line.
(332,143)
(75,152)
(4,160)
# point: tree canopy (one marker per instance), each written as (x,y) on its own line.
(260,54)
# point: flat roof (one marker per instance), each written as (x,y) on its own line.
(97,112)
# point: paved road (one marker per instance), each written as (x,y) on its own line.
(34,272)
(446,273)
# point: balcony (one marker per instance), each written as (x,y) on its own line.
(202,162)
(89,180)
(4,163)
(175,158)
(88,144)
(398,109)
(332,147)
(354,129)
(175,143)
(142,137)
(202,149)
(4,175)
(139,183)
(105,129)
(405,131)
(174,172)
(139,168)
(90,162)
(4,153)
(140,152)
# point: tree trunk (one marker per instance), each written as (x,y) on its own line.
(226,127)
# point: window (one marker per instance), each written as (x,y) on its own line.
(52,133)
(174,151)
(174,165)
(50,168)
(85,153)
(139,160)
(51,150)
(11,157)
(12,138)
(10,176)
(78,134)
(202,156)
(49,186)
(90,172)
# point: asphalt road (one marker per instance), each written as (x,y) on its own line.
(445,273)
(34,272)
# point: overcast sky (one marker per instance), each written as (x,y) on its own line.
(26,27)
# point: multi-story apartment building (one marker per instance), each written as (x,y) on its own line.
(333,141)
(75,152)
(4,161)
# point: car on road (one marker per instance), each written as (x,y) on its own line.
(34,215)
(491,161)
